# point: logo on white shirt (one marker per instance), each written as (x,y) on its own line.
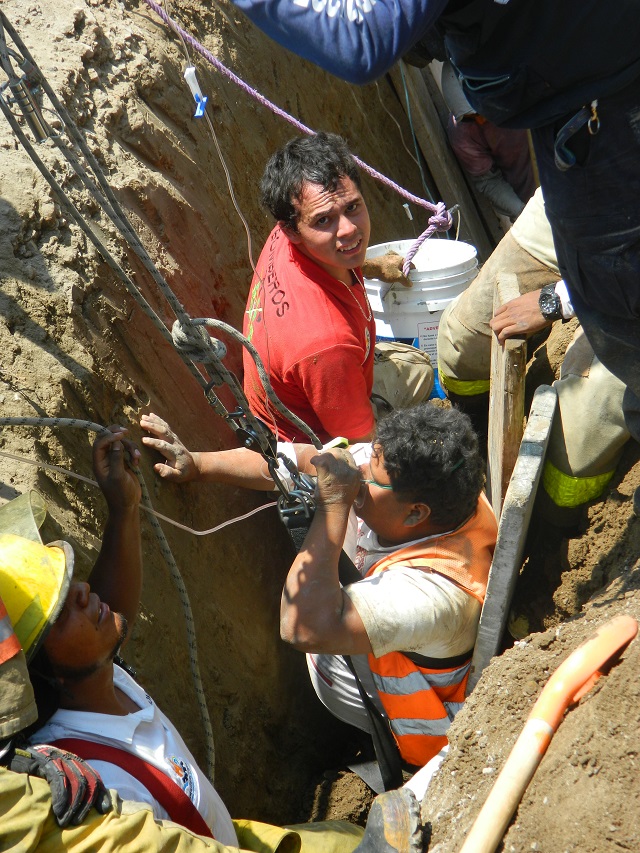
(184,776)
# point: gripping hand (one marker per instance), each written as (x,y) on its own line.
(75,787)
(339,479)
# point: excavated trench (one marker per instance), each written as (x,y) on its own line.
(74,344)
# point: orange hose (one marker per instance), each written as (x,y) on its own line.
(579,672)
(573,678)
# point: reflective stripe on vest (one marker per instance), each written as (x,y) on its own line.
(418,680)
(421,702)
(9,643)
(565,490)
(463,388)
(425,687)
(430,728)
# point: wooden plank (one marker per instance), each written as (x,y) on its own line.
(512,531)
(506,399)
(435,148)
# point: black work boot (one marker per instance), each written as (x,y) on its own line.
(636,502)
(393,825)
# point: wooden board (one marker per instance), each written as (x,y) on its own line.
(506,400)
(512,530)
(435,148)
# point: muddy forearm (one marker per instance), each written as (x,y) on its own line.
(312,599)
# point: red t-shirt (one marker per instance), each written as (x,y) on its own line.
(315,336)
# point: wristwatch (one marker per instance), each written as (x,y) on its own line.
(550,304)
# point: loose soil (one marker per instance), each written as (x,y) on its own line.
(74,344)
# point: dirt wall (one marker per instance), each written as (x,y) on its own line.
(74,344)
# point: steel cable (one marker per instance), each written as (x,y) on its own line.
(174,572)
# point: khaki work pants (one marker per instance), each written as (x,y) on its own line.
(589,432)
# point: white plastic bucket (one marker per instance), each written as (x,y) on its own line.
(443,269)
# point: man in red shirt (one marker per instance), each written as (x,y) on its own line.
(308,314)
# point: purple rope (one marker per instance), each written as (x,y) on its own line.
(440,221)
(439,210)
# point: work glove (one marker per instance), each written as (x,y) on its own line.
(75,786)
(387,268)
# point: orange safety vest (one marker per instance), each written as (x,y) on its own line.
(421,701)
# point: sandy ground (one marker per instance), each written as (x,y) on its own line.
(74,344)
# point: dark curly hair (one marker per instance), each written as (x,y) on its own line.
(322,159)
(431,456)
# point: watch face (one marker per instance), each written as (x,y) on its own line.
(550,306)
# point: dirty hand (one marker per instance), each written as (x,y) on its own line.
(114,472)
(339,479)
(519,318)
(387,268)
(75,787)
(180,465)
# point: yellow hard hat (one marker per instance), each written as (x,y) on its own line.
(34,578)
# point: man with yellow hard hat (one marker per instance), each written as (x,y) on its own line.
(34,579)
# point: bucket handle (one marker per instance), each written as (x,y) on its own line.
(389,290)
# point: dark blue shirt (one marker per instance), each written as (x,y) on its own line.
(523,63)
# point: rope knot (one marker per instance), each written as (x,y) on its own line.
(440,221)
(194,342)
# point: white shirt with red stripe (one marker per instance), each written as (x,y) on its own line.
(150,735)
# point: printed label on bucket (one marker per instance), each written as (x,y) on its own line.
(428,338)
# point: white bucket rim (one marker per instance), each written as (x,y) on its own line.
(463,256)
(374,285)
